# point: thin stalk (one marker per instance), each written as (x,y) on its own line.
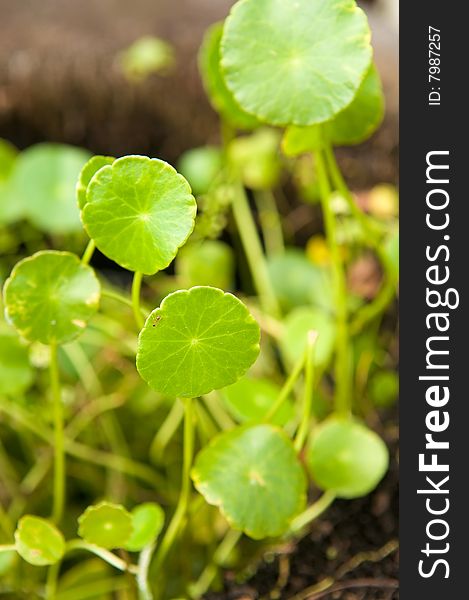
(52,581)
(59,453)
(312,512)
(342,367)
(218,413)
(166,431)
(221,554)
(144,562)
(287,388)
(136,286)
(88,253)
(183,502)
(7,548)
(270,221)
(105,555)
(254,252)
(308,392)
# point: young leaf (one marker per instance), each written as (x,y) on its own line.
(106,525)
(346,458)
(200,166)
(198,340)
(147,523)
(16,373)
(250,400)
(39,542)
(255,158)
(92,166)
(208,263)
(297,324)
(44,180)
(253,475)
(219,95)
(295,63)
(139,212)
(51,296)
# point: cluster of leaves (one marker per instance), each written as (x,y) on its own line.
(267,419)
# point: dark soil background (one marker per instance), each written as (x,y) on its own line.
(60,81)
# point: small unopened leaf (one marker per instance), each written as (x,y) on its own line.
(294,336)
(346,458)
(92,166)
(219,95)
(51,296)
(106,525)
(39,542)
(197,341)
(253,475)
(16,372)
(250,400)
(139,212)
(147,523)
(295,63)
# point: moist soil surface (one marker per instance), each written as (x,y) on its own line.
(351,553)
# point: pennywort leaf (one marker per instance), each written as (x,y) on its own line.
(139,211)
(295,63)
(107,525)
(147,523)
(209,262)
(198,340)
(50,297)
(91,167)
(346,457)
(16,372)
(200,166)
(253,475)
(39,542)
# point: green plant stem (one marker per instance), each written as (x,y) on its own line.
(270,221)
(254,252)
(287,388)
(308,392)
(312,512)
(7,548)
(144,562)
(94,456)
(221,554)
(136,286)
(105,555)
(59,453)
(342,368)
(183,502)
(166,430)
(88,253)
(215,408)
(373,232)
(52,581)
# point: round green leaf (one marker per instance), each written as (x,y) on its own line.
(39,542)
(347,458)
(294,336)
(44,181)
(384,388)
(363,115)
(139,212)
(50,297)
(200,166)
(9,211)
(106,525)
(16,373)
(219,95)
(253,475)
(300,140)
(209,263)
(92,166)
(250,400)
(197,341)
(298,62)
(147,523)
(146,56)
